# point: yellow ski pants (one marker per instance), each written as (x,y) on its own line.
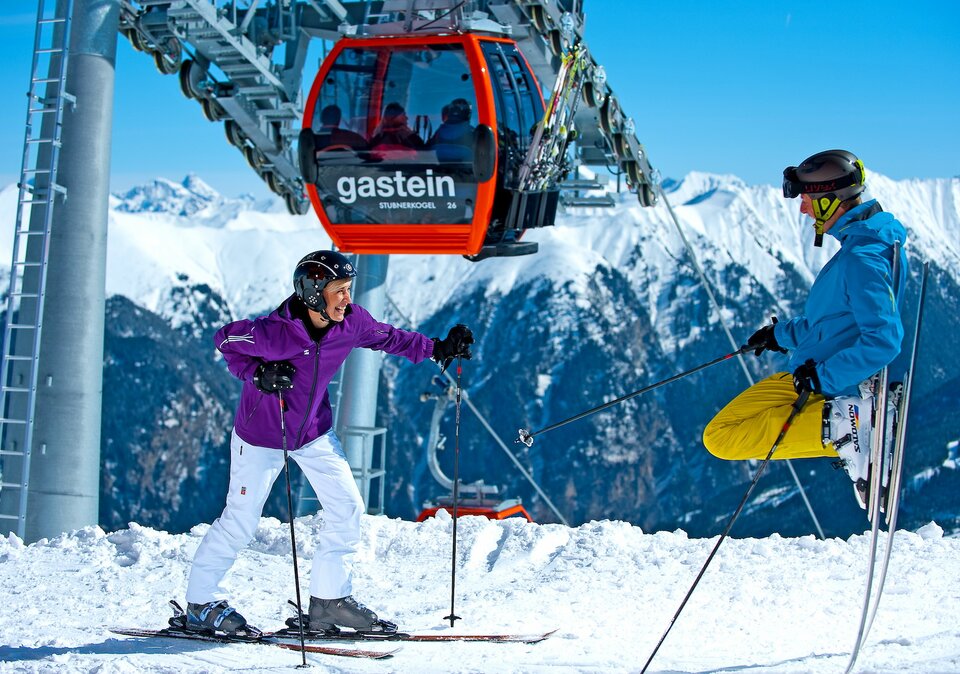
(750,423)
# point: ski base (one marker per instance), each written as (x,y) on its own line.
(891,495)
(350,635)
(264,640)
(886,468)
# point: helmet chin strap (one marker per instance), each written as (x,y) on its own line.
(321,304)
(818,228)
(824,208)
(322,310)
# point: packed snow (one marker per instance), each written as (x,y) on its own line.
(772,605)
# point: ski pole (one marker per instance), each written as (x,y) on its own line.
(453,617)
(293,536)
(796,407)
(526,437)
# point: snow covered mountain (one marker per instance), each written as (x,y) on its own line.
(191,198)
(612,303)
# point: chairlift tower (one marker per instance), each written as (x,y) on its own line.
(53,337)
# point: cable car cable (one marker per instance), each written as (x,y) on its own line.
(486,425)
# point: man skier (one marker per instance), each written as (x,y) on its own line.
(297,349)
(851,328)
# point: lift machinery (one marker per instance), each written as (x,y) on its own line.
(245,63)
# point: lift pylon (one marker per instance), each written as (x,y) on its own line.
(38,192)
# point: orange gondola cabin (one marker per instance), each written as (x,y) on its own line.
(413,144)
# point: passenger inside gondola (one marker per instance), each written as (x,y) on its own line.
(331,137)
(394,138)
(453,141)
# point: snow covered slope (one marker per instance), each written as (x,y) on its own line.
(772,605)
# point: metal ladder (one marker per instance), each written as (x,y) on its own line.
(38,190)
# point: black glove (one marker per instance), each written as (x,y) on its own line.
(456,343)
(805,378)
(274,376)
(764,340)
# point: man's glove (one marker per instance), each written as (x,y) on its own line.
(805,378)
(274,376)
(455,344)
(764,340)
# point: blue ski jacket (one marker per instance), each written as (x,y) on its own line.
(851,326)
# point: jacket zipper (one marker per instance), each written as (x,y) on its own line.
(313,390)
(254,410)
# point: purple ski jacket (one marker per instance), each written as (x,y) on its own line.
(282,336)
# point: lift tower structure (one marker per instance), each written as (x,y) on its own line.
(53,338)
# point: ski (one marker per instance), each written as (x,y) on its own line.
(293,632)
(874,500)
(879,462)
(893,462)
(546,160)
(264,640)
(886,497)
(891,496)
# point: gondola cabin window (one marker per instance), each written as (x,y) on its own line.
(394,136)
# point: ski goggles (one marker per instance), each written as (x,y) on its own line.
(794,187)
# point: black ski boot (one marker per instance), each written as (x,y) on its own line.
(217,616)
(326,615)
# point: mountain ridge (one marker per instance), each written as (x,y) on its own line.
(612,302)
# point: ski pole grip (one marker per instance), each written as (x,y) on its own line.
(524,436)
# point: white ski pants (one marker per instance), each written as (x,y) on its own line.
(253,471)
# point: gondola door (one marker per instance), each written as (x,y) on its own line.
(519,108)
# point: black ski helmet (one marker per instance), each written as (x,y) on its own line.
(315,271)
(835,176)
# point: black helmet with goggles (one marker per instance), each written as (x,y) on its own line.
(834,176)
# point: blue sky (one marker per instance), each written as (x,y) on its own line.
(743,87)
